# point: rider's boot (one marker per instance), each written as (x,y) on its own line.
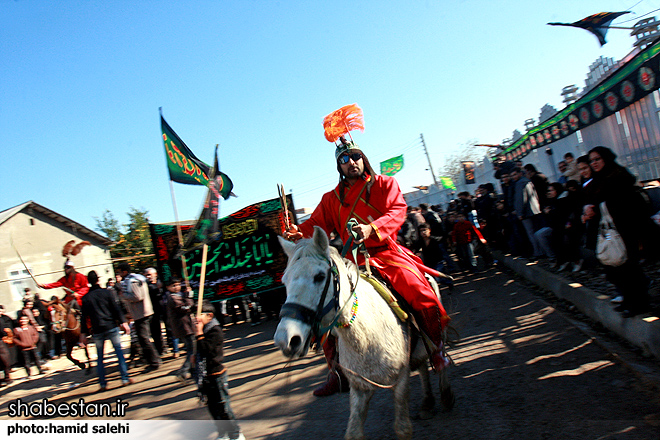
(336,381)
(431,322)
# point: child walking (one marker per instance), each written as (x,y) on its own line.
(212,377)
(463,234)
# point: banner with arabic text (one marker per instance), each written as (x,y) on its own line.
(630,83)
(243,258)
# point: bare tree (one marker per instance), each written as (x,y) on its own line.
(453,166)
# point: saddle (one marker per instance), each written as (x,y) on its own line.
(385,293)
(397,303)
(390,296)
(399,306)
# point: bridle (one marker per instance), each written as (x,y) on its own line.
(312,317)
(60,325)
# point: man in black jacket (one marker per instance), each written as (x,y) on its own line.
(100,307)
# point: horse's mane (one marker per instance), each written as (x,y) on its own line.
(61,308)
(305,248)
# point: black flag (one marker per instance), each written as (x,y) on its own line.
(597,24)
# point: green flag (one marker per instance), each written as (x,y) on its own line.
(206,228)
(391,166)
(447,183)
(183,165)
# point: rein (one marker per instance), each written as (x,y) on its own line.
(344,368)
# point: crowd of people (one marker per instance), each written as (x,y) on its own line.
(160,318)
(531,217)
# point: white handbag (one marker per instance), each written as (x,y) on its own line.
(610,248)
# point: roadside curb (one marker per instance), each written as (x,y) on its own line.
(643,331)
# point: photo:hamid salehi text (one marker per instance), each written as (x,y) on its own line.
(44,408)
(67,428)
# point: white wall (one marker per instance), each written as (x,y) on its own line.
(40,244)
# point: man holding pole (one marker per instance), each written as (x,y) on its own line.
(75,284)
(377,205)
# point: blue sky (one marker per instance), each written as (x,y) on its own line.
(81,83)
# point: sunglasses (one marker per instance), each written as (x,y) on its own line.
(344,158)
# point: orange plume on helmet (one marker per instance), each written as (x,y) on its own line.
(68,247)
(343,120)
(77,248)
(71,248)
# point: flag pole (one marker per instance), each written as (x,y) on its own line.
(205,247)
(176,220)
(180,235)
(202,280)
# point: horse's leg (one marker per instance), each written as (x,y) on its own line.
(70,343)
(428,401)
(69,350)
(446,394)
(402,424)
(359,405)
(88,371)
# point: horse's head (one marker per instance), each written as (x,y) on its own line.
(58,317)
(310,287)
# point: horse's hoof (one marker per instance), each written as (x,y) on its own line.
(448,399)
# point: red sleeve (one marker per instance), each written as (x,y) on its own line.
(321,217)
(388,224)
(58,283)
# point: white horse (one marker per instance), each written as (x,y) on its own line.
(374,349)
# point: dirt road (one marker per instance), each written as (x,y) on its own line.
(522,370)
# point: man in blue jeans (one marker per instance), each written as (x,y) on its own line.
(101,310)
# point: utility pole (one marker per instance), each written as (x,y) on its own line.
(429,159)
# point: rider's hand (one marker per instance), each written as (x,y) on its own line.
(363,232)
(293,233)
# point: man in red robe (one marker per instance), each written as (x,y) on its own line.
(75,284)
(376,202)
